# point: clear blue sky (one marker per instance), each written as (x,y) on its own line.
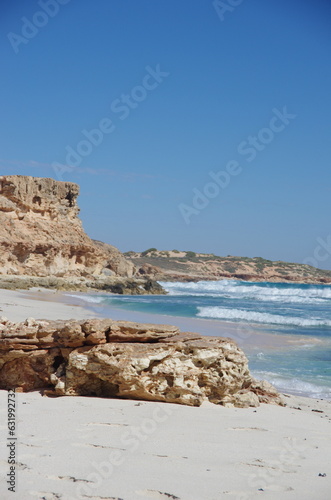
(220,83)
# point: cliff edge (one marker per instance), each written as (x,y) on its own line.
(42,235)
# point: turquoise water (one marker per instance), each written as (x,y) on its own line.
(299,315)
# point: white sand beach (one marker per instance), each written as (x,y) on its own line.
(77,448)
(19,305)
(93,448)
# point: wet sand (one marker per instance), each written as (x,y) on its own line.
(249,337)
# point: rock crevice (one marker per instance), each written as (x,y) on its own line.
(129,360)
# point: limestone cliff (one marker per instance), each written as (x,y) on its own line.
(42,235)
(129,360)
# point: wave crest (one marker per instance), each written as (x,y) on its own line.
(243,290)
(257,317)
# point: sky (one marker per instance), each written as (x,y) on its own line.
(193,125)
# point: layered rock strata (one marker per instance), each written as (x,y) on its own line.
(42,235)
(129,360)
(111,284)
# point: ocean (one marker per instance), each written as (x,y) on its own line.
(284,329)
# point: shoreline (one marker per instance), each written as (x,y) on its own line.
(166,450)
(245,334)
(19,305)
(49,304)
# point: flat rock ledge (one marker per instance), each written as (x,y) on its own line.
(106,358)
(109,284)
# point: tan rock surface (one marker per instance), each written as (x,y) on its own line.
(42,235)
(130,360)
(187,372)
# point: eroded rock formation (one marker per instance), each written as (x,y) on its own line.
(112,284)
(42,235)
(129,360)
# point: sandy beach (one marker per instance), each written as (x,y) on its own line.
(19,305)
(165,250)
(66,305)
(93,448)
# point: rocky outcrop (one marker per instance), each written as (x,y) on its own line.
(41,234)
(111,284)
(129,360)
(190,266)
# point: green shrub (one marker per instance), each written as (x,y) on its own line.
(190,255)
(230,269)
(145,252)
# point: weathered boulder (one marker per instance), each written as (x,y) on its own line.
(183,371)
(129,360)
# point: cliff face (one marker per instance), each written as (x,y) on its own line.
(41,234)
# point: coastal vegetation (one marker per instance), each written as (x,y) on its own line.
(176,265)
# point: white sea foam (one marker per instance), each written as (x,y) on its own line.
(258,317)
(294,385)
(240,290)
(87,298)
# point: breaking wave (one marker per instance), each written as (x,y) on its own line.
(294,385)
(243,290)
(258,317)
(87,298)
